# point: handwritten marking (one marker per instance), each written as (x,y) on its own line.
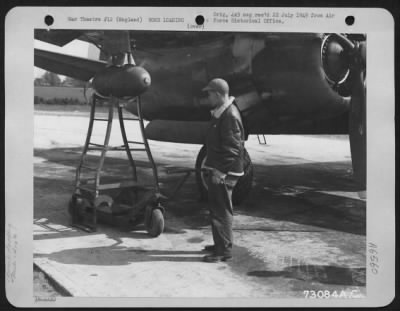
(11,253)
(45,299)
(373,257)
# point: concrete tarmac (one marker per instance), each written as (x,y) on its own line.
(302,229)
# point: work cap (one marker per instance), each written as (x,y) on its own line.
(217,85)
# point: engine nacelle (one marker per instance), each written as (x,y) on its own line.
(336,64)
(128,80)
(337,57)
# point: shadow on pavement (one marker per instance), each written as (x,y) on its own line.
(317,273)
(116,256)
(289,193)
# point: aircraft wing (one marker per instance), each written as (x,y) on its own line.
(141,38)
(72,66)
(57,37)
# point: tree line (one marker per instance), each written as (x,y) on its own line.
(53,79)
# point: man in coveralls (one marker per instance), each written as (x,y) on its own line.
(225,157)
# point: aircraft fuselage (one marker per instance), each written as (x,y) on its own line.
(277,79)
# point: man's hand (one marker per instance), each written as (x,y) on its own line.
(217,176)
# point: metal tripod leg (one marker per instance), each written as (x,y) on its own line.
(146,143)
(126,143)
(87,194)
(94,191)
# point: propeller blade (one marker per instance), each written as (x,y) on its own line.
(358,128)
(357,114)
(345,42)
(363,53)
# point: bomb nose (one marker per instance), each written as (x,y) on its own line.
(146,78)
(129,80)
(142,76)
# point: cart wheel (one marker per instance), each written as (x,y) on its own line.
(77,206)
(104,201)
(154,221)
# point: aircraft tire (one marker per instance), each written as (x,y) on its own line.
(242,188)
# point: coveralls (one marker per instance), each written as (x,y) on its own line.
(225,153)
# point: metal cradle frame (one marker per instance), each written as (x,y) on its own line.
(88,198)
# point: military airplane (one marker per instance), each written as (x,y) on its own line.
(284,83)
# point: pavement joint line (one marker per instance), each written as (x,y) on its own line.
(59,278)
(57,285)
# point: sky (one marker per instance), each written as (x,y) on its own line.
(76,48)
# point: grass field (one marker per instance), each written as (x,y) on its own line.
(68,110)
(51,92)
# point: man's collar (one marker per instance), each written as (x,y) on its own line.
(217,112)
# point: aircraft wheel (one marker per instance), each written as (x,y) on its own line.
(243,186)
(154,221)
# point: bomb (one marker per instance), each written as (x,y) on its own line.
(122,81)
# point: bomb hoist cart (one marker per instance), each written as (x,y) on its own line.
(98,197)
